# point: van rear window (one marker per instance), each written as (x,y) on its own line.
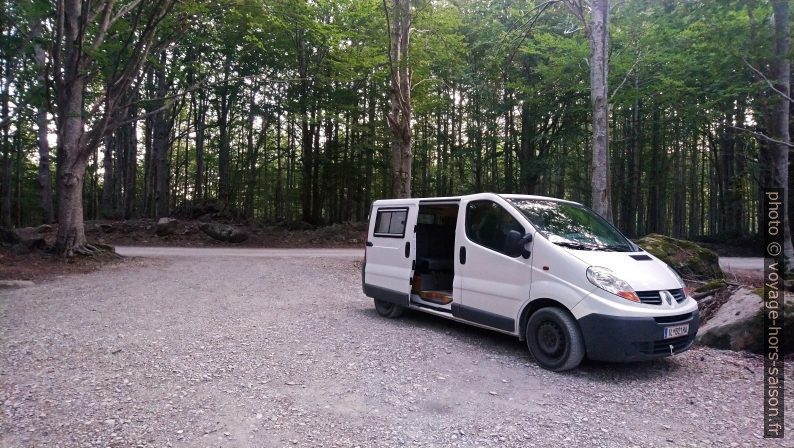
(391,223)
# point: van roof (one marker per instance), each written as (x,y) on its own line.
(458,198)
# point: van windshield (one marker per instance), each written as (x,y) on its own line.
(572,225)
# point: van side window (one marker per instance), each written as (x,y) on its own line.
(488,224)
(391,222)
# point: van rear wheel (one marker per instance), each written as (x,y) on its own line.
(554,339)
(388,309)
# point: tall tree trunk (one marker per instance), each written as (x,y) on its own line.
(778,169)
(130,133)
(108,176)
(45,184)
(160,133)
(5,181)
(253,156)
(279,196)
(507,99)
(315,184)
(599,97)
(71,230)
(199,119)
(399,116)
(371,145)
(223,150)
(307,130)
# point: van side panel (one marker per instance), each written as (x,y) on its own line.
(554,276)
(493,286)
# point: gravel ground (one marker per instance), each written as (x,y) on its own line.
(288,352)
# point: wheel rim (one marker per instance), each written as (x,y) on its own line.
(385,307)
(551,341)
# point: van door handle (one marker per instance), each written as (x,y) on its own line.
(407,249)
(462,255)
(369,244)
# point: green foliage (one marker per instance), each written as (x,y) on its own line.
(500,101)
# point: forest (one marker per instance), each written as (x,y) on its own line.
(665,116)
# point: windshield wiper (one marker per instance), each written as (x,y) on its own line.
(614,248)
(574,245)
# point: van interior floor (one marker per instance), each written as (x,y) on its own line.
(439,297)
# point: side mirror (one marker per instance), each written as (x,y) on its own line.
(516,242)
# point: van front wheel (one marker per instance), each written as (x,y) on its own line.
(554,339)
(388,309)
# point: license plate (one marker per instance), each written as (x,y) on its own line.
(676,331)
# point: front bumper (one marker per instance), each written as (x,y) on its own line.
(622,339)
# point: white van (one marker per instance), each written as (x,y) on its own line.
(549,271)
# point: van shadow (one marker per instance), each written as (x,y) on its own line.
(461,334)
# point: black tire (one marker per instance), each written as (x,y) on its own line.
(554,339)
(388,309)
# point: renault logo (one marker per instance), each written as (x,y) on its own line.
(666,295)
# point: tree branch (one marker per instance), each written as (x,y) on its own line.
(762,136)
(388,33)
(529,25)
(636,61)
(768,82)
(103,28)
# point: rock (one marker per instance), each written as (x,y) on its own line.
(165,226)
(26,245)
(13,284)
(710,286)
(223,232)
(298,225)
(130,226)
(686,257)
(190,229)
(738,324)
(105,227)
(192,210)
(359,225)
(44,228)
(8,236)
(328,233)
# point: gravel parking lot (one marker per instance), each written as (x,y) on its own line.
(285,351)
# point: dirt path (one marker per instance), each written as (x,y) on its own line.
(216,252)
(742,263)
(261,351)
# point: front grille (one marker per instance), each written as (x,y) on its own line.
(654,298)
(672,319)
(678,295)
(650,297)
(663,347)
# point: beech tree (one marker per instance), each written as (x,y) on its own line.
(597,30)
(81,28)
(398,25)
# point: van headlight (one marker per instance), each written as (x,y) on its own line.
(606,280)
